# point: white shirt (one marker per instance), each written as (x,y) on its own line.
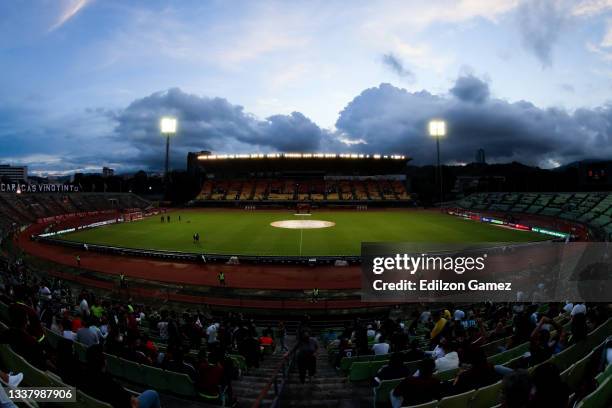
(459,315)
(578,308)
(45,293)
(68,334)
(425,316)
(163,329)
(380,348)
(438,352)
(211,332)
(448,362)
(84,307)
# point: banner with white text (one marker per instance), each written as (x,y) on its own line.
(475,272)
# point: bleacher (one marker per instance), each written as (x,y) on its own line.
(303,190)
(21,209)
(592,209)
(571,362)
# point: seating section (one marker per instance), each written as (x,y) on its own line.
(21,209)
(593,209)
(571,362)
(303,190)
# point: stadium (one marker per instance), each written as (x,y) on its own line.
(285,231)
(264,204)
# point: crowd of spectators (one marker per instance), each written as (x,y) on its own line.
(191,342)
(452,338)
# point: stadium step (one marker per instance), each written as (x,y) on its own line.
(247,388)
(326,389)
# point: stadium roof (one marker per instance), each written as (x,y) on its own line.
(302,156)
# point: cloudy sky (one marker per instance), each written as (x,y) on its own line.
(84,82)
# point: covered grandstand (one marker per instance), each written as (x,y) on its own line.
(318,178)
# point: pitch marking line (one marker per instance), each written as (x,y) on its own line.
(301,237)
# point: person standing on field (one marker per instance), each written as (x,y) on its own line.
(78,260)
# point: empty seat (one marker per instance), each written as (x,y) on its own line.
(486,396)
(457,401)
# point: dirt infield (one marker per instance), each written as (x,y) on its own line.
(302,224)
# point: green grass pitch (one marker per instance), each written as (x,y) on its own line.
(250,233)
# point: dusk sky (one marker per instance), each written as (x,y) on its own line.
(84,82)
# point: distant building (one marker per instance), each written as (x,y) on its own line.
(108,172)
(480,157)
(13,173)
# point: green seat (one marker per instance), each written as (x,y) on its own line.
(412,366)
(80,351)
(156,378)
(239,361)
(131,371)
(601,377)
(375,366)
(53,338)
(360,371)
(180,384)
(570,355)
(85,401)
(447,375)
(508,355)
(600,398)
(457,401)
(486,396)
(347,362)
(381,392)
(381,357)
(114,366)
(493,347)
(430,404)
(15,363)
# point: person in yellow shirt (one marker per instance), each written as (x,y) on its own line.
(439,325)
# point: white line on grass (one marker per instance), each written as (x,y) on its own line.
(301,236)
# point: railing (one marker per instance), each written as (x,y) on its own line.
(281,371)
(202,257)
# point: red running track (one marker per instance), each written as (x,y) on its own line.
(277,277)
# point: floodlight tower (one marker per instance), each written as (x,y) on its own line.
(168,128)
(437,129)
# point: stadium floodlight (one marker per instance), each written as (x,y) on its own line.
(437,129)
(168,128)
(168,125)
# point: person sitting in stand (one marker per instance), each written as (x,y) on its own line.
(394,370)
(419,388)
(97,383)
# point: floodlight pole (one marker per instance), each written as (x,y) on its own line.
(437,129)
(439,172)
(167,158)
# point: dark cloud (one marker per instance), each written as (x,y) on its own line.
(541,23)
(396,65)
(393,120)
(383,119)
(470,89)
(210,124)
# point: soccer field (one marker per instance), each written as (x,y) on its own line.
(250,232)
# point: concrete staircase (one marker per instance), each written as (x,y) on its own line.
(327,389)
(247,388)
